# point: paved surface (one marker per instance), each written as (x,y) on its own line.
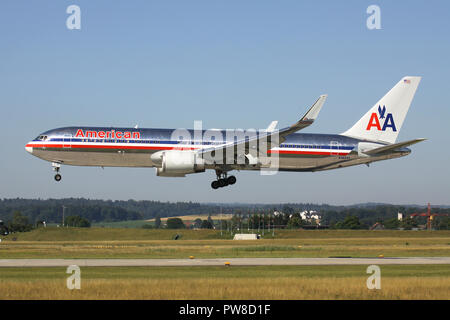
(218,262)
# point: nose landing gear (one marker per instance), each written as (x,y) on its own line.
(222,180)
(56,166)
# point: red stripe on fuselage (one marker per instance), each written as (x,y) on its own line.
(86,146)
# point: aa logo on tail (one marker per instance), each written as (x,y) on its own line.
(375,120)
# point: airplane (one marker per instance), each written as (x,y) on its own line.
(177,152)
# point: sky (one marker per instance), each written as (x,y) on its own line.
(231,64)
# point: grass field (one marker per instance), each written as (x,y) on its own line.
(142,243)
(122,224)
(285,282)
(225,216)
(262,282)
(140,223)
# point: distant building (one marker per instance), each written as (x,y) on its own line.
(400,216)
(311,216)
(246,236)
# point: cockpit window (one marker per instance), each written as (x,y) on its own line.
(41,138)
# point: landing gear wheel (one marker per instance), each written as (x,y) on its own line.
(222,180)
(215,184)
(223,183)
(56,166)
(231,180)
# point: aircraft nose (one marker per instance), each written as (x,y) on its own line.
(29,148)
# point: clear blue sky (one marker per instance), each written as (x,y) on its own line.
(231,64)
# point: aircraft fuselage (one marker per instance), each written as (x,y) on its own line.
(130,147)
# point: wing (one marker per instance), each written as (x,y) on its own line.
(267,138)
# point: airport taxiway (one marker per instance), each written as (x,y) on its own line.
(220,262)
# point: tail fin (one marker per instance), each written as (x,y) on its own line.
(384,120)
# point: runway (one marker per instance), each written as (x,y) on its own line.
(220,262)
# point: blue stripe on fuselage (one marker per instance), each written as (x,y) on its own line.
(163,136)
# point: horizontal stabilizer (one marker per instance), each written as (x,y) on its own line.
(394,146)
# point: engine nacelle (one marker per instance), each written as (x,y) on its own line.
(174,163)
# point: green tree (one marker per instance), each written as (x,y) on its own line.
(408,223)
(197,223)
(287,210)
(443,224)
(294,223)
(350,222)
(206,225)
(175,223)
(3,229)
(77,222)
(393,223)
(19,223)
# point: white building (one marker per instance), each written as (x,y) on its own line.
(310,216)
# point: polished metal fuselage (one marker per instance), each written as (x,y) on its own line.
(299,152)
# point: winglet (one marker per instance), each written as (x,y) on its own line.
(313,112)
(272,126)
(306,120)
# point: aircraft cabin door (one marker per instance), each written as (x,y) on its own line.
(67,141)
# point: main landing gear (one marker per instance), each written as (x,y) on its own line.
(223,180)
(56,166)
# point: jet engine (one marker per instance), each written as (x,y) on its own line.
(174,163)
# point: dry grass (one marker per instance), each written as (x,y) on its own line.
(206,283)
(325,247)
(138,234)
(222,288)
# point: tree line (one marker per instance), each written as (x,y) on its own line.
(254,215)
(21,223)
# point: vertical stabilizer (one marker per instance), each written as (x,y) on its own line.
(384,120)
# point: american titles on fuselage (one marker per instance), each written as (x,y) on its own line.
(113,134)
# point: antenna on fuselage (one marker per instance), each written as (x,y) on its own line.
(136,126)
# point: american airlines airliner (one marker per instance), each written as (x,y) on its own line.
(177,152)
